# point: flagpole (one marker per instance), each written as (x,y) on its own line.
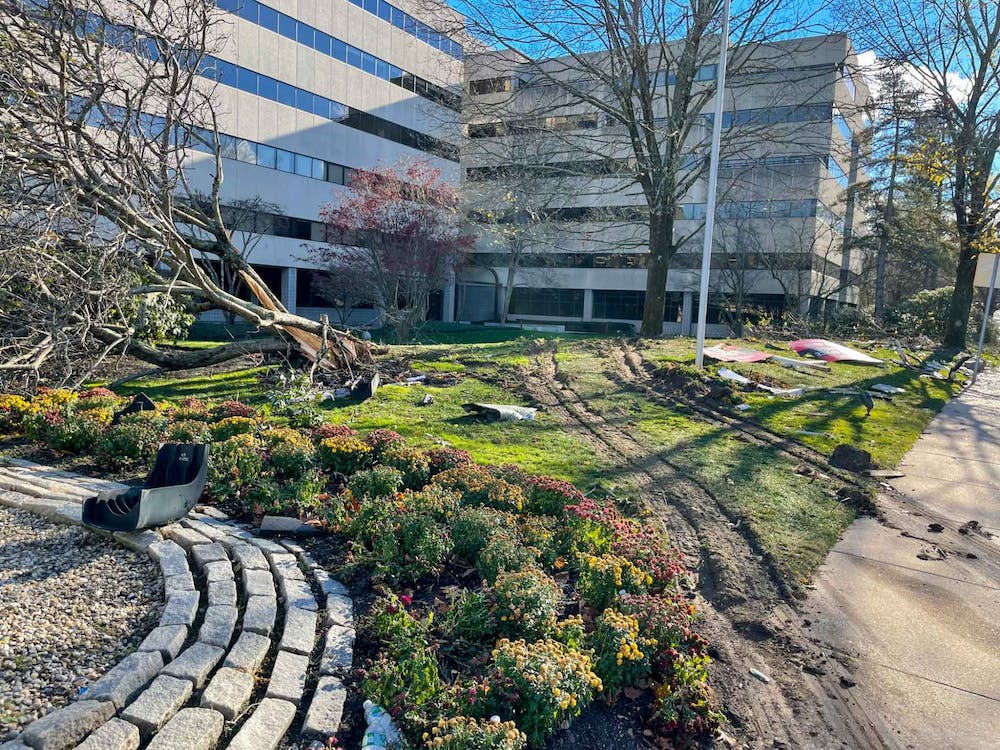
(713,179)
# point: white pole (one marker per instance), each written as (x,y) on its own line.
(713,179)
(986,317)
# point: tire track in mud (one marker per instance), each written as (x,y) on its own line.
(743,602)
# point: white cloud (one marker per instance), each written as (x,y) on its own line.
(918,77)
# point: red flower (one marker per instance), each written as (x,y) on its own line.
(406,599)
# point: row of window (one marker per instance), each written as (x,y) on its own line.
(386,11)
(553,123)
(737,118)
(719,260)
(311,37)
(503,84)
(111,117)
(266,87)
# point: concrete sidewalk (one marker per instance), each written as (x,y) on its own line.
(913,611)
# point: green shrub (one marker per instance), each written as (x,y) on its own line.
(78,432)
(234,408)
(473,526)
(437,502)
(469,618)
(193,408)
(624,657)
(442,459)
(227,427)
(368,521)
(325,431)
(381,440)
(410,548)
(542,684)
(189,431)
(290,454)
(133,440)
(603,576)
(235,466)
(923,314)
(345,455)
(526,603)
(478,487)
(377,482)
(464,733)
(13,409)
(549,496)
(501,553)
(543,533)
(412,462)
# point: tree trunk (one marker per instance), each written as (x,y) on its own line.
(508,290)
(883,240)
(660,246)
(961,299)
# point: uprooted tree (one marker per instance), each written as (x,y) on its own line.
(111,201)
(403,230)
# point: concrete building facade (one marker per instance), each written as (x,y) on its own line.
(793,113)
(310,90)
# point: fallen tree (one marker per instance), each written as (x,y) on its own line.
(111,203)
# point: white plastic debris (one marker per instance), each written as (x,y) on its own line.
(381,733)
(886,388)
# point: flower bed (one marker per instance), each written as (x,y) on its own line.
(499,594)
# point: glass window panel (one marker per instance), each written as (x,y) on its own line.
(303,165)
(286,94)
(396,75)
(384,10)
(246,151)
(321,106)
(249,10)
(267,156)
(382,69)
(359,3)
(246,80)
(339,50)
(305,34)
(318,169)
(339,112)
(368,63)
(323,43)
(335,173)
(230,5)
(226,73)
(286,26)
(410,25)
(371,6)
(398,18)
(227,146)
(303,100)
(267,88)
(268,18)
(285,161)
(423,30)
(354,56)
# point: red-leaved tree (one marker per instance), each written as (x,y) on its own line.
(399,232)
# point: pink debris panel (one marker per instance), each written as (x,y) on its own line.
(831,351)
(732,353)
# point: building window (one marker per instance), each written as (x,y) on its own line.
(624,304)
(483,86)
(487,130)
(837,172)
(551,303)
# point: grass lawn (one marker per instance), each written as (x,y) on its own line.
(822,419)
(796,519)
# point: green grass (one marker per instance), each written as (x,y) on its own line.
(822,419)
(457,333)
(241,384)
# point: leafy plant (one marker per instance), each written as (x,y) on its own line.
(603,576)
(526,603)
(237,464)
(442,459)
(410,461)
(189,431)
(464,733)
(409,548)
(478,487)
(541,684)
(502,554)
(344,454)
(549,496)
(473,526)
(624,657)
(377,482)
(227,427)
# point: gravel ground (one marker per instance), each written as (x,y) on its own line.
(72,604)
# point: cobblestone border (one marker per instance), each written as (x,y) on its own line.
(230,663)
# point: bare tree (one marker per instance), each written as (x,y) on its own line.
(104,108)
(950,49)
(644,69)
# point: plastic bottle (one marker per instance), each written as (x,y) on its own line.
(381,733)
